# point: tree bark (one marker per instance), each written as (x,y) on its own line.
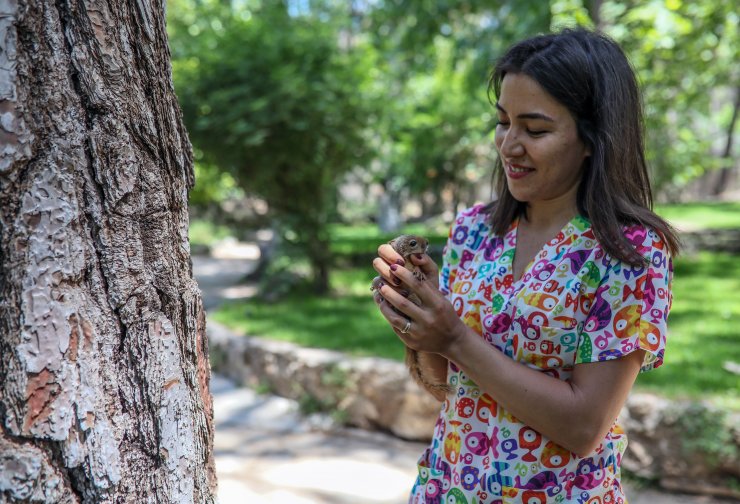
(104,374)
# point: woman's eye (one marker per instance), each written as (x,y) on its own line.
(501,123)
(536,133)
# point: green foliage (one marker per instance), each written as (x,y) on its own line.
(707,431)
(212,185)
(207,233)
(273,99)
(686,57)
(434,133)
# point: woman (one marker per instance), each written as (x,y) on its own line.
(551,299)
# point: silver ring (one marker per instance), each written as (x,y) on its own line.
(406,328)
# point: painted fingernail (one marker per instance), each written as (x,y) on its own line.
(400,262)
(419,256)
(394,267)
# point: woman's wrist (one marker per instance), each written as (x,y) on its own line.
(457,341)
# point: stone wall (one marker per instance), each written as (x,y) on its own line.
(717,240)
(683,446)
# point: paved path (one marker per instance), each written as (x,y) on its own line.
(267,453)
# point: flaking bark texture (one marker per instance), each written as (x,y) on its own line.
(104,372)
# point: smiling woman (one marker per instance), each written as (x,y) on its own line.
(538,142)
(550,299)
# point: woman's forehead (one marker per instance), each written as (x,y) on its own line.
(523,96)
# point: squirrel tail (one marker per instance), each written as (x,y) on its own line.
(438,390)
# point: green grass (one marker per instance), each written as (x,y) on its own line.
(347,321)
(704,328)
(204,232)
(364,238)
(702,215)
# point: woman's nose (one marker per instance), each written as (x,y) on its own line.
(510,145)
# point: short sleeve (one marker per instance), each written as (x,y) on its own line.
(455,247)
(630,307)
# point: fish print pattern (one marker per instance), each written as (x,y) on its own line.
(574,304)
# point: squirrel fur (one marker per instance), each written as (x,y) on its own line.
(406,246)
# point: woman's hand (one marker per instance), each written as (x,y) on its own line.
(435,325)
(387,256)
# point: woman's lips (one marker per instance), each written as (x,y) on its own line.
(516,171)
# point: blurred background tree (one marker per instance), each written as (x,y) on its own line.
(271,96)
(286,100)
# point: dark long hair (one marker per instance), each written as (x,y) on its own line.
(589,74)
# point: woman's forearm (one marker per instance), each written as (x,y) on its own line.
(574,415)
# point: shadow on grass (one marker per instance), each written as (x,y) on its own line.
(706,264)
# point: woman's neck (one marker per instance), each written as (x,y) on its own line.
(545,215)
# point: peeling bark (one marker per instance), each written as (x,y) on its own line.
(104,373)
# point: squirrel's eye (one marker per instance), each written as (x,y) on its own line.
(413,243)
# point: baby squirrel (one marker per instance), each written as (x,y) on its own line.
(406,246)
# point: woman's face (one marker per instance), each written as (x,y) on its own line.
(538,143)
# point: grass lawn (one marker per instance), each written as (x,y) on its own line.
(702,215)
(347,321)
(365,238)
(704,328)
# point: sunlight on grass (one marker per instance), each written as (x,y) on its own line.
(703,330)
(364,239)
(702,215)
(348,321)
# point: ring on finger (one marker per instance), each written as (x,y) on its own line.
(406,328)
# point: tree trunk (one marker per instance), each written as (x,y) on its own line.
(724,174)
(389,211)
(594,10)
(104,374)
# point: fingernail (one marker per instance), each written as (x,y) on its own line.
(419,256)
(394,267)
(400,262)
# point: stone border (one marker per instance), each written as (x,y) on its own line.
(684,446)
(368,392)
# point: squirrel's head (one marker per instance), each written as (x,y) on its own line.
(410,244)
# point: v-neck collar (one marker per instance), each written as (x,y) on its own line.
(568,229)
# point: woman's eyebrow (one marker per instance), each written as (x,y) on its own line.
(529,115)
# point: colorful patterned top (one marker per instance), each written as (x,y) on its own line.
(573,304)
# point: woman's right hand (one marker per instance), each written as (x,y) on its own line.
(387,255)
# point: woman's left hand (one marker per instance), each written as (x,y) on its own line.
(435,326)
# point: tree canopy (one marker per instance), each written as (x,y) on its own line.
(274,99)
(289,96)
